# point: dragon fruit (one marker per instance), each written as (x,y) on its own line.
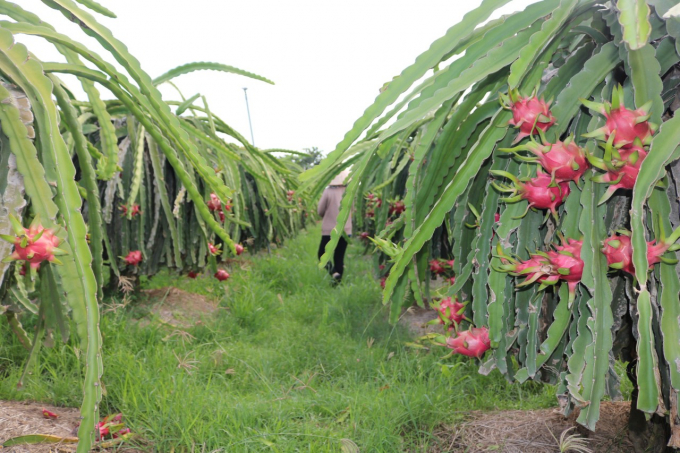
(364,236)
(564,161)
(472,343)
(541,192)
(290,195)
(437,267)
(239,249)
(618,251)
(450,310)
(529,114)
(49,414)
(133,258)
(214,204)
(214,250)
(566,260)
(222,275)
(34,244)
(382,282)
(397,207)
(134,211)
(623,126)
(621,165)
(192,274)
(451,280)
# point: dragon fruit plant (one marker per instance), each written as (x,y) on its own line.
(547,83)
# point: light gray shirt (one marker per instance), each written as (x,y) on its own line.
(329,207)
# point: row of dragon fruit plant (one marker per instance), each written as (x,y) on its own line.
(552,281)
(120,187)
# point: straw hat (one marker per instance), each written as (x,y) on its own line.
(339,180)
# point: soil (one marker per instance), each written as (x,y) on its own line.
(415,319)
(20,418)
(175,307)
(535,431)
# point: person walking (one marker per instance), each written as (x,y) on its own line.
(329,208)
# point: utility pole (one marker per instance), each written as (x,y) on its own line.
(252,139)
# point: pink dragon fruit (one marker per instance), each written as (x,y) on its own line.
(214,250)
(239,249)
(621,165)
(564,161)
(567,262)
(618,251)
(496,217)
(382,282)
(437,267)
(472,343)
(222,275)
(397,207)
(290,195)
(541,192)
(450,310)
(192,274)
(214,204)
(623,126)
(451,280)
(49,414)
(529,114)
(34,244)
(133,258)
(364,236)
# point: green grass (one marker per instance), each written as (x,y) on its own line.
(304,376)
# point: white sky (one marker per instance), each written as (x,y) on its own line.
(328,59)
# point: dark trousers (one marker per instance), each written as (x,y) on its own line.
(338,257)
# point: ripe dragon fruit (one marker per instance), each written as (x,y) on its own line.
(364,236)
(34,244)
(133,258)
(222,275)
(382,282)
(623,126)
(564,161)
(290,195)
(49,414)
(472,343)
(451,280)
(214,204)
(450,310)
(214,250)
(397,207)
(239,249)
(529,114)
(618,251)
(437,267)
(135,211)
(541,192)
(192,274)
(621,165)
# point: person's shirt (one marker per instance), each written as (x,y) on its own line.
(329,208)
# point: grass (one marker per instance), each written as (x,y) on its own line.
(291,365)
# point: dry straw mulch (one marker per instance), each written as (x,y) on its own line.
(20,418)
(534,431)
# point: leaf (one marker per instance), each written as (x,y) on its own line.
(634,18)
(33,439)
(203,66)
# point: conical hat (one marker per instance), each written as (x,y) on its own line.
(339,180)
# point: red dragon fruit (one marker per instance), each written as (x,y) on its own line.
(239,249)
(34,244)
(397,207)
(621,165)
(450,263)
(529,114)
(135,211)
(496,217)
(472,343)
(564,161)
(541,192)
(49,414)
(450,310)
(382,282)
(566,260)
(623,126)
(451,280)
(214,250)
(364,236)
(290,195)
(192,274)
(222,275)
(133,258)
(437,267)
(214,204)
(618,251)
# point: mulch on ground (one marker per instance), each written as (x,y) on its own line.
(535,431)
(176,307)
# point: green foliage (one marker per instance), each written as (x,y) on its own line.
(78,164)
(255,355)
(442,149)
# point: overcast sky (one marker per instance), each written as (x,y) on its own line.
(328,59)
